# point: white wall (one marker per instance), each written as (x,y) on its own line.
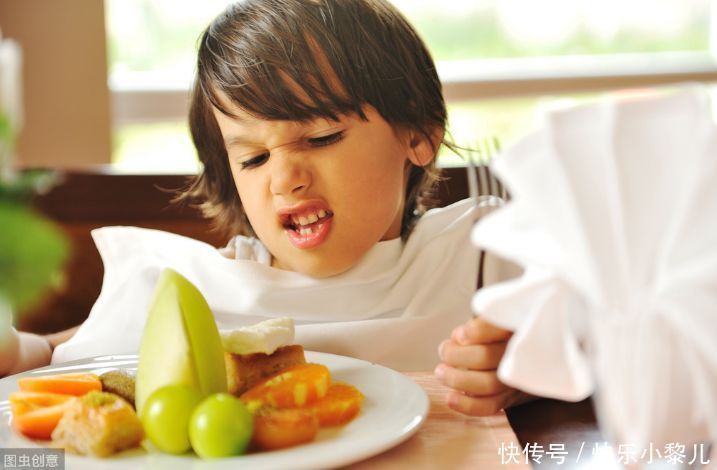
(66,98)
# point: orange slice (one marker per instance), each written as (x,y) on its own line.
(293,387)
(340,405)
(280,428)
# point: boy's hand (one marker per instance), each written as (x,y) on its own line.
(470,360)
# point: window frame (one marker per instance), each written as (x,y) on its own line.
(473,80)
(152,99)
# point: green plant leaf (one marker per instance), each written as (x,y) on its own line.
(32,251)
(22,186)
(5,129)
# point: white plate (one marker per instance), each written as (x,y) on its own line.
(393,410)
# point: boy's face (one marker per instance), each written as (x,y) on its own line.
(319,194)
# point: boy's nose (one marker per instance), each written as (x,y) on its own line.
(288,175)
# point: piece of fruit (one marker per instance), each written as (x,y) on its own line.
(220,426)
(120,382)
(293,387)
(280,428)
(166,414)
(36,414)
(68,384)
(340,405)
(180,343)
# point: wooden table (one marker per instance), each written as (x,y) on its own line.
(448,439)
(453,441)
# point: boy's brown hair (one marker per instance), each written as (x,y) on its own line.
(257,52)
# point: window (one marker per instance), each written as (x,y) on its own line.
(497,58)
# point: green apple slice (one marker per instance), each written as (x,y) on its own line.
(180,343)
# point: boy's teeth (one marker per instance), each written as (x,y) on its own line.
(305,231)
(309,218)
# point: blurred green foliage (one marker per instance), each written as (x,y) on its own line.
(478,35)
(5,132)
(32,249)
(31,253)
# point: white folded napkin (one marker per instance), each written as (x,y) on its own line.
(614,218)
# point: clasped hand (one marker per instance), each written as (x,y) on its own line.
(470,360)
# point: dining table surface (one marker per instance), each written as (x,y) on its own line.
(543,433)
(448,439)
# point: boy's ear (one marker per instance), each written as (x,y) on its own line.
(422,149)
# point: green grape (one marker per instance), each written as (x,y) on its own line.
(165,416)
(220,426)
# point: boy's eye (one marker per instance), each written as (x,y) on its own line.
(326,139)
(254,161)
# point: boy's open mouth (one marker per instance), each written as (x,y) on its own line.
(306,222)
(307,228)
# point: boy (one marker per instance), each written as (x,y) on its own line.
(317,123)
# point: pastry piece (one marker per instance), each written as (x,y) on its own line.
(246,370)
(98,424)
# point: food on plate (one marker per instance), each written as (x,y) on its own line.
(287,396)
(276,428)
(260,364)
(277,400)
(263,337)
(220,426)
(340,405)
(283,410)
(68,384)
(36,414)
(244,371)
(255,352)
(120,382)
(292,387)
(290,406)
(180,343)
(98,424)
(166,414)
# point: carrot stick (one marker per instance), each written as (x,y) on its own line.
(68,384)
(36,414)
